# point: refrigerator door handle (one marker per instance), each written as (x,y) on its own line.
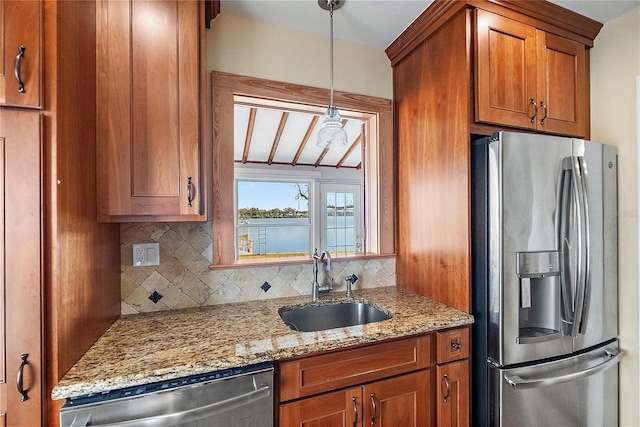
(611,358)
(586,231)
(573,222)
(562,219)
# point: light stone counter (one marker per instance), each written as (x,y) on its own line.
(145,348)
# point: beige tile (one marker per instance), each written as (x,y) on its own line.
(184,279)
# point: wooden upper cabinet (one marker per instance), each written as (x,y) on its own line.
(528,78)
(149,125)
(562,85)
(20,53)
(505,71)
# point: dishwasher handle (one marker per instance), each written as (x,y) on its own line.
(194,414)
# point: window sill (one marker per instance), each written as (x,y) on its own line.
(296,260)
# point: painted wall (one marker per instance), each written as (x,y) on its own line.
(242,46)
(615,65)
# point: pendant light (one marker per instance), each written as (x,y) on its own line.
(331,132)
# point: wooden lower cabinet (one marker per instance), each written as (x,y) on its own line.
(21,364)
(452,394)
(399,401)
(453,348)
(335,409)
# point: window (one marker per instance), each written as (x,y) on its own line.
(341,219)
(287,218)
(239,102)
(272,219)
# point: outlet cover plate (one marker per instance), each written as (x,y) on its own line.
(145,254)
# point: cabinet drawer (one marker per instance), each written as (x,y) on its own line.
(317,374)
(452,345)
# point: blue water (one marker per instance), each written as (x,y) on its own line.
(293,236)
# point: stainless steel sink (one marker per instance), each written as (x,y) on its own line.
(339,315)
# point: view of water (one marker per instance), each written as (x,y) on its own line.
(277,235)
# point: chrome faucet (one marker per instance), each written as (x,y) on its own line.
(316,288)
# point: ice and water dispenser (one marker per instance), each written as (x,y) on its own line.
(539,311)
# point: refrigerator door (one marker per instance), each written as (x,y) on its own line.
(576,391)
(524,291)
(598,320)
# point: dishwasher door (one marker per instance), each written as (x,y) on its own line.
(229,398)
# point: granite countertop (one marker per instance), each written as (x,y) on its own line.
(146,348)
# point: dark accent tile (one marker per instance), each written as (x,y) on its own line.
(155,297)
(265,286)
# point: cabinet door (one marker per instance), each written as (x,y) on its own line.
(401,401)
(20,267)
(149,152)
(20,72)
(505,71)
(562,89)
(453,394)
(336,409)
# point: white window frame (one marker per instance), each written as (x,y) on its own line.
(318,187)
(321,232)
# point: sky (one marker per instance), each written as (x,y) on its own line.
(268,195)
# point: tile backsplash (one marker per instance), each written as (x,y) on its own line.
(183,278)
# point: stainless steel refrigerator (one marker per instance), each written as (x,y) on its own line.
(544,282)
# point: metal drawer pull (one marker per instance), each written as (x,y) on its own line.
(189,195)
(20,378)
(545,112)
(446,382)
(456,345)
(16,68)
(535,111)
(373,409)
(355,412)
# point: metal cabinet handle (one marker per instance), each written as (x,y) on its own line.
(355,412)
(535,111)
(16,68)
(456,345)
(446,382)
(189,195)
(373,409)
(20,379)
(545,112)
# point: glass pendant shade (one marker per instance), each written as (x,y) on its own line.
(331,132)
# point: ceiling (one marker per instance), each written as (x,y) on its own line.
(284,137)
(377,23)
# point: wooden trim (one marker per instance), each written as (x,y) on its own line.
(211,10)
(227,87)
(424,25)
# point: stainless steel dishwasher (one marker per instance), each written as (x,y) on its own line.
(234,397)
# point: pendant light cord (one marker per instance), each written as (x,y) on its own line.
(330,3)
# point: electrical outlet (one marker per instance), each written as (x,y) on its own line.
(146,254)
